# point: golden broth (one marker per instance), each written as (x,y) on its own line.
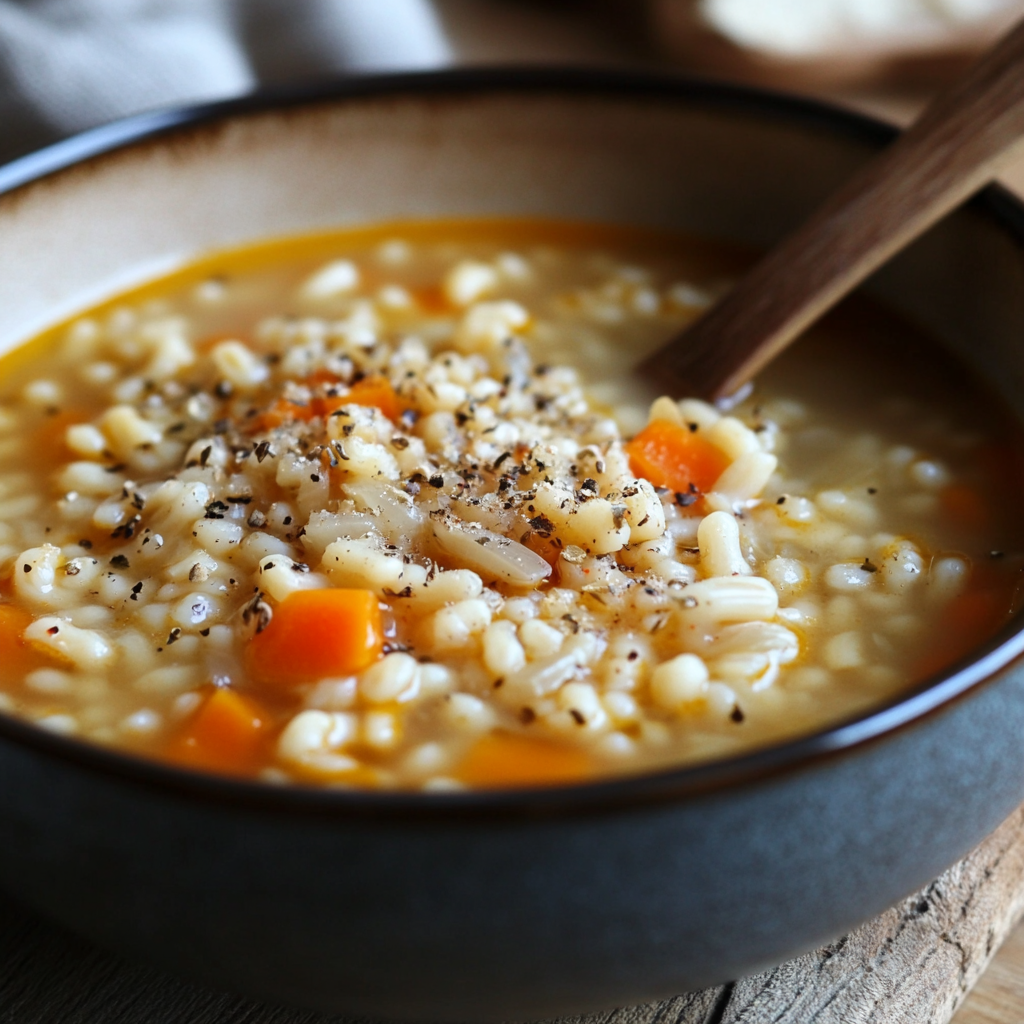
(192,473)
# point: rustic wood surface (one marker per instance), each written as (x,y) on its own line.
(912,965)
(998,998)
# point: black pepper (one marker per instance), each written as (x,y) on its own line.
(542,525)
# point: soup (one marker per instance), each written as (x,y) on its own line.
(387,509)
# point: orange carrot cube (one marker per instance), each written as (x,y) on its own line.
(224,735)
(507,760)
(314,634)
(673,456)
(18,657)
(373,392)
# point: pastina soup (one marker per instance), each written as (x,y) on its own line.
(386,509)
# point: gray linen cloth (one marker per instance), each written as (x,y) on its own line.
(67,65)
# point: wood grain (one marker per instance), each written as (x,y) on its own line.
(912,965)
(916,962)
(957,145)
(998,998)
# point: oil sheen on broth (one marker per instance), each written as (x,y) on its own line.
(386,509)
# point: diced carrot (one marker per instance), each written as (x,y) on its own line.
(48,444)
(967,621)
(964,506)
(317,633)
(331,403)
(432,299)
(372,392)
(673,456)
(281,412)
(505,760)
(224,735)
(359,776)
(378,393)
(17,657)
(321,376)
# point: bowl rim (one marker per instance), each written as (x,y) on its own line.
(631,792)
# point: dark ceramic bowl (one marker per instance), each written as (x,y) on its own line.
(513,904)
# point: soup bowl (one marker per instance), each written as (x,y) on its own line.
(510,904)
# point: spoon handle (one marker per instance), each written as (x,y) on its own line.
(951,151)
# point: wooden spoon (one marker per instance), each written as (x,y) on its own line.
(955,147)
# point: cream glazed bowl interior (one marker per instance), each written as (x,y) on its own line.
(518,904)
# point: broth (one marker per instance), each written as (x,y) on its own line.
(386,509)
